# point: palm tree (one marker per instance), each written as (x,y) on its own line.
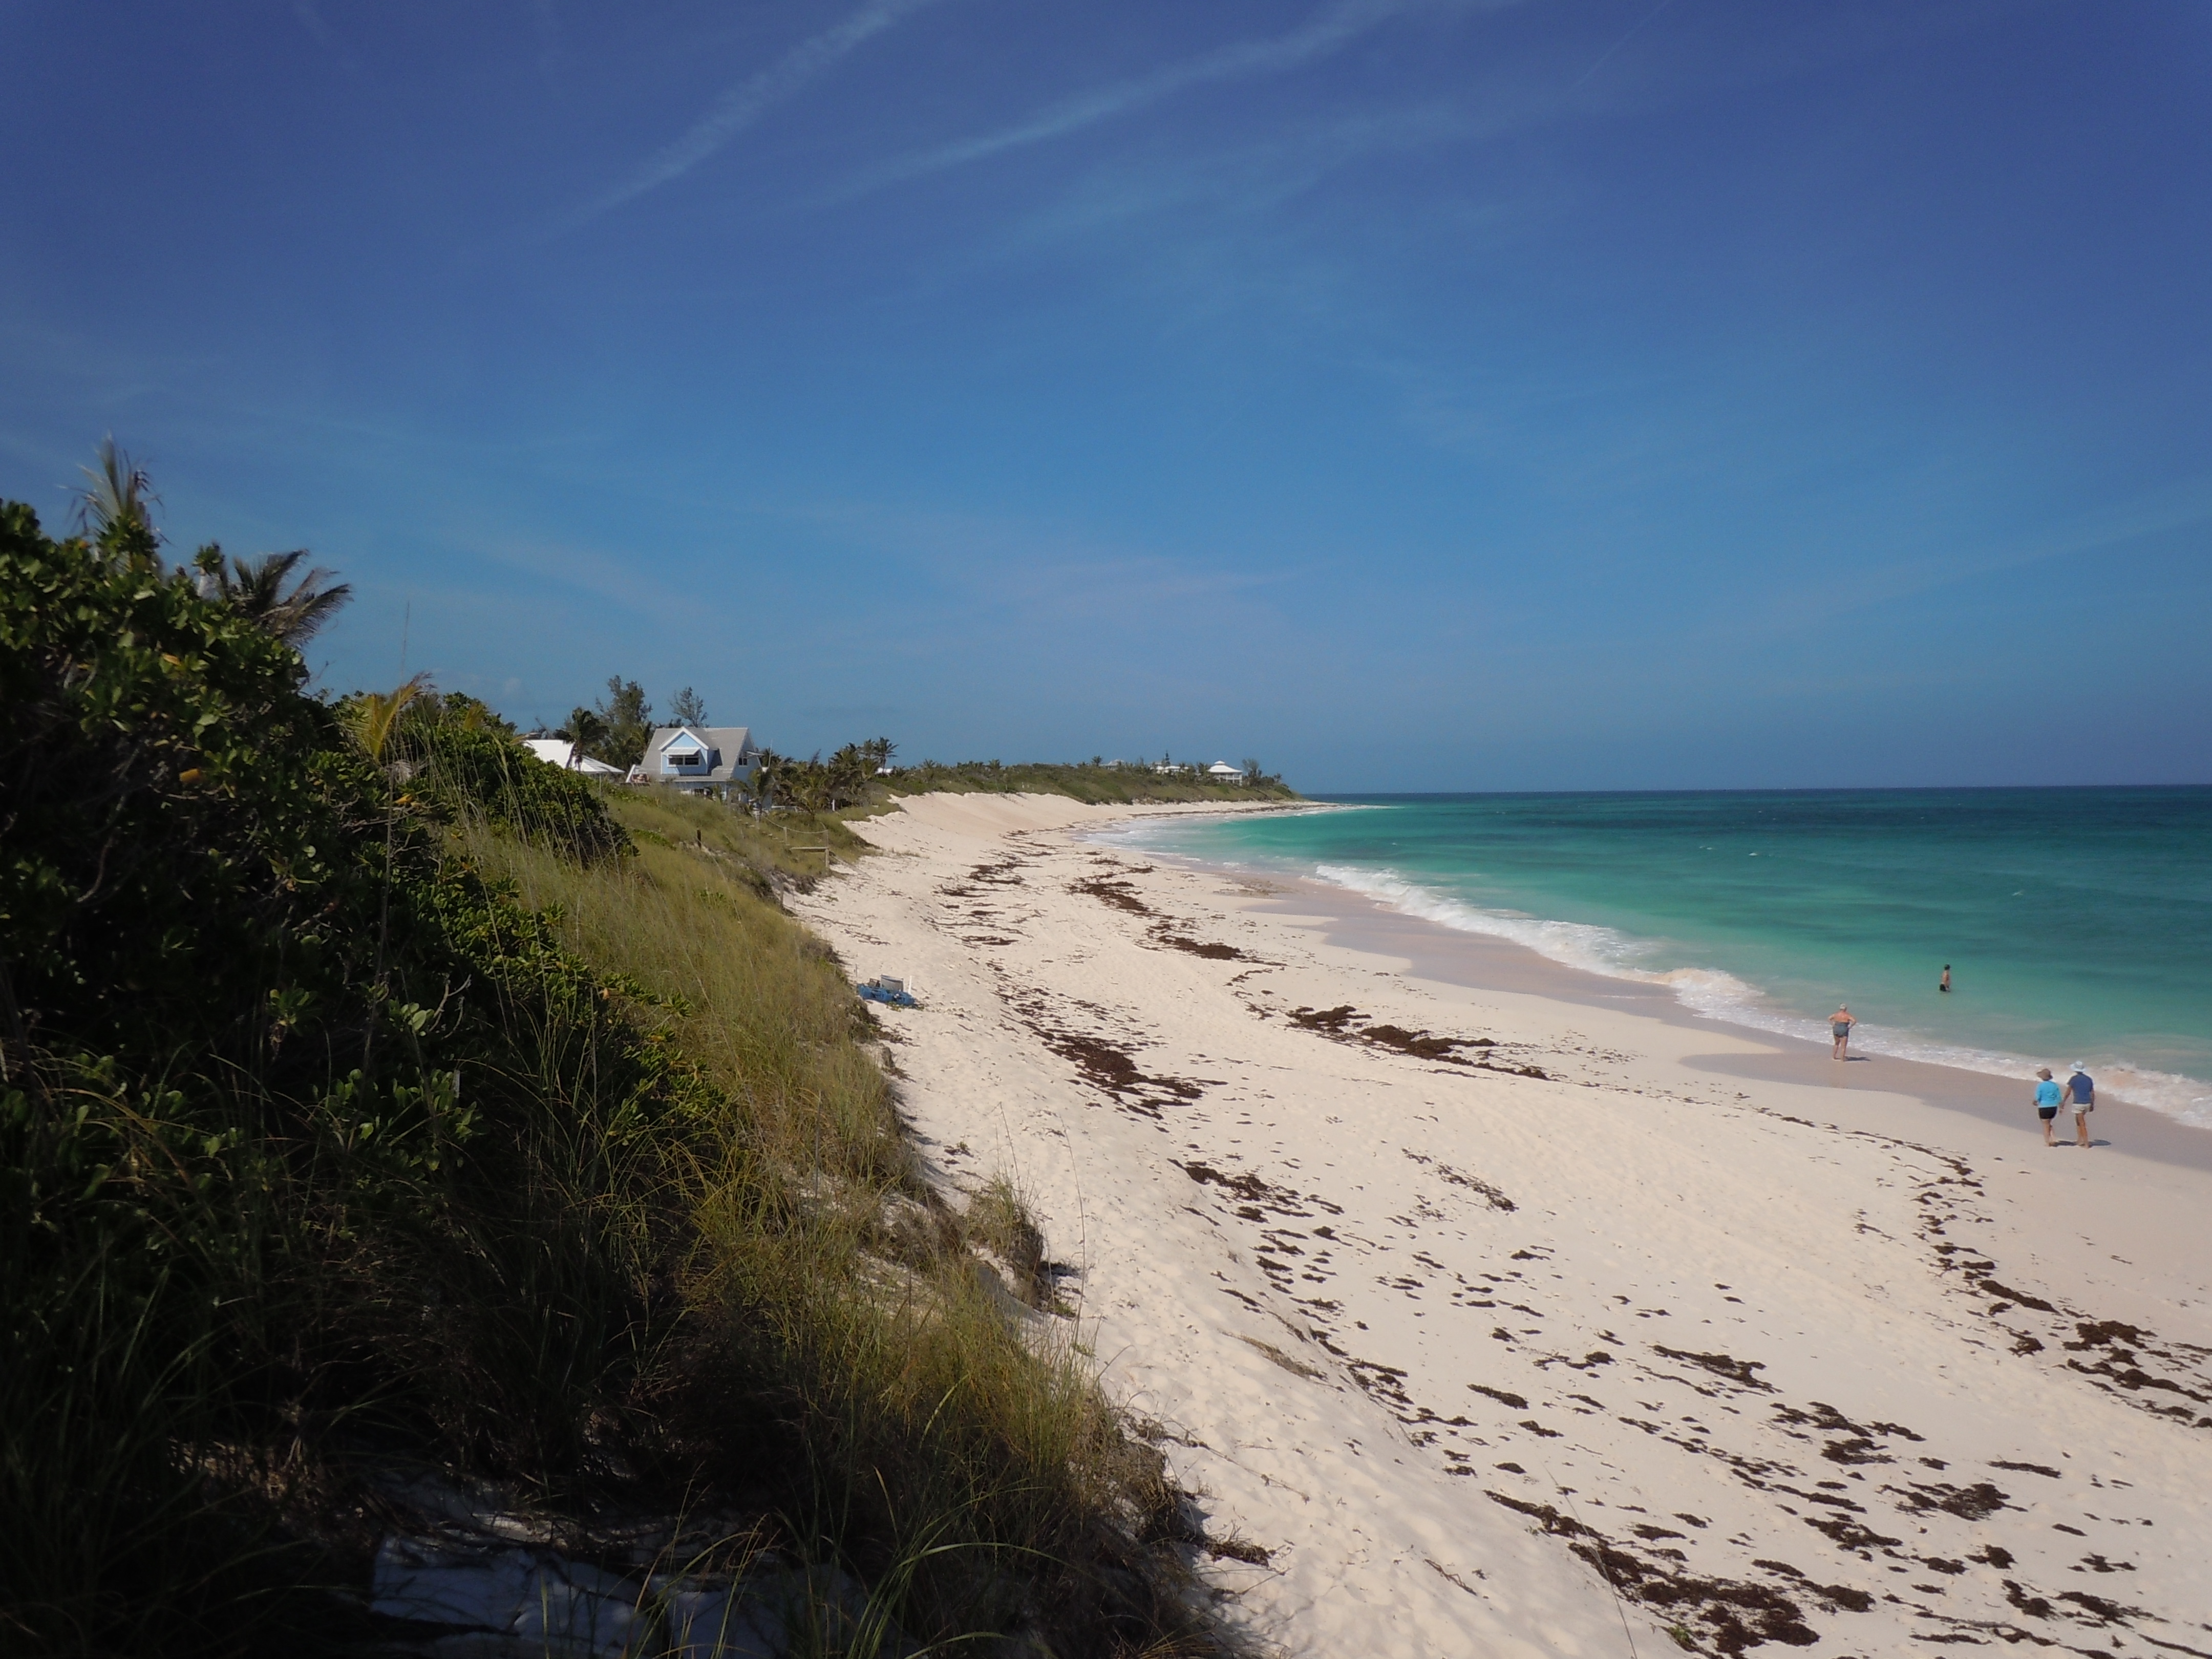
(848,775)
(256,588)
(114,508)
(807,785)
(587,731)
(766,780)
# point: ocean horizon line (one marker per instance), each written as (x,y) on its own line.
(1355,796)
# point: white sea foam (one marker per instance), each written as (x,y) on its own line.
(1722,996)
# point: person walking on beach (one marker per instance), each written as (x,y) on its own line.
(1840,1028)
(1944,984)
(2048,1095)
(2082,1095)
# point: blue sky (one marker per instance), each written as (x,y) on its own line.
(1408,393)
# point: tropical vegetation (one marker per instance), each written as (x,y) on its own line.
(378,1104)
(1100,782)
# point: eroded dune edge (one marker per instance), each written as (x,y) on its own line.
(1481,1323)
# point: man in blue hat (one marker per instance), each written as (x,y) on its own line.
(2082,1093)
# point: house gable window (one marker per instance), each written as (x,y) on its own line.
(691,754)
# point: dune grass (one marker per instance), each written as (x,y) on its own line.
(785,845)
(830,1296)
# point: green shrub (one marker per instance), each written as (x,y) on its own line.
(474,769)
(302,1120)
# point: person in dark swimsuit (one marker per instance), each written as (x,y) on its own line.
(1839,1028)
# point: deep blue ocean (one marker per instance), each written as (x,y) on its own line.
(2078,923)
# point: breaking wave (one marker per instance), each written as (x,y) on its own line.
(1719,995)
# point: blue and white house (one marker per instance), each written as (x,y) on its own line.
(700,760)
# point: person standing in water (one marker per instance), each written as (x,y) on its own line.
(2081,1094)
(1840,1028)
(1944,984)
(2048,1095)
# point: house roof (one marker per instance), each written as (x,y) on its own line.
(559,751)
(734,745)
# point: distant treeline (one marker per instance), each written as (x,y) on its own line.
(1096,780)
(861,775)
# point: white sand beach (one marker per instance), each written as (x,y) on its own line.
(1491,1315)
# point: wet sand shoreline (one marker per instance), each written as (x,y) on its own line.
(1483,962)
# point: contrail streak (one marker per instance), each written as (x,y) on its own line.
(1323,33)
(1608,54)
(744,104)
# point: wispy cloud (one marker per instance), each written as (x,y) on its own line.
(1606,57)
(618,579)
(1790,608)
(2185,504)
(311,19)
(1326,32)
(746,103)
(1248,179)
(1006,562)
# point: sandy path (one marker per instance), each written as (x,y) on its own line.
(1456,1343)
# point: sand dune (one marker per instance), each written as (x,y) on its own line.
(1489,1322)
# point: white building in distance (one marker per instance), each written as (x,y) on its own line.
(559,751)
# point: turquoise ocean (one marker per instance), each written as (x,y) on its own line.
(2078,923)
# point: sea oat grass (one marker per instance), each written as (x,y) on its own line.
(877,1358)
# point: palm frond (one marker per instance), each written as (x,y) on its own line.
(375,717)
(256,588)
(117,499)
